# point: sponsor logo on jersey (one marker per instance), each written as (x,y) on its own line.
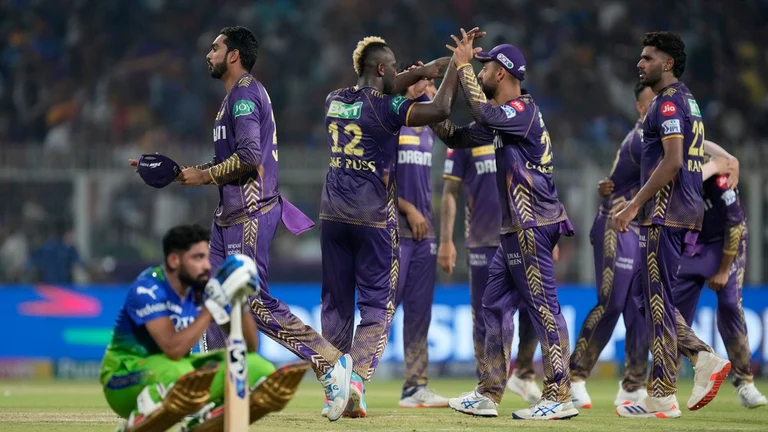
(668,109)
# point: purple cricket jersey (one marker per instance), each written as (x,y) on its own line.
(414,163)
(363,128)
(625,173)
(245,162)
(475,168)
(674,113)
(724,210)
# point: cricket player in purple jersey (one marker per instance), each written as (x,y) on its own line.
(250,207)
(474,172)
(533,219)
(418,249)
(615,254)
(719,259)
(358,209)
(671,209)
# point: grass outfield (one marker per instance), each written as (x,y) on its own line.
(64,406)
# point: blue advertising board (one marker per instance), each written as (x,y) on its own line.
(53,322)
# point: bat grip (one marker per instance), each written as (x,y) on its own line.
(236,318)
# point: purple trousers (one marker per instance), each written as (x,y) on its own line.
(522,271)
(615,263)
(368,259)
(694,272)
(272,316)
(416,292)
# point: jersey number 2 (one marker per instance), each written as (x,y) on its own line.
(697,146)
(355,134)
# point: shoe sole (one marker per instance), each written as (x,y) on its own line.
(354,401)
(423,406)
(718,378)
(475,414)
(565,415)
(661,415)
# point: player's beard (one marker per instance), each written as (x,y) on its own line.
(488,90)
(218,70)
(651,77)
(197,284)
(388,84)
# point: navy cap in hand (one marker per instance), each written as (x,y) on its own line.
(157,170)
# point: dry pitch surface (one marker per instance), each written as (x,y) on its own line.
(64,406)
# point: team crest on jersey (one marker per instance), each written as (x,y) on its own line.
(669,92)
(509,111)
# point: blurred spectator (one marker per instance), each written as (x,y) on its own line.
(55,260)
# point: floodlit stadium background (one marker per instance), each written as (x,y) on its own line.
(84,85)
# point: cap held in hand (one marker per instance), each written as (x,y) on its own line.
(157,170)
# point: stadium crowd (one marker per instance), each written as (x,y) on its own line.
(87,84)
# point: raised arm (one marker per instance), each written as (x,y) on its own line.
(437,110)
(431,70)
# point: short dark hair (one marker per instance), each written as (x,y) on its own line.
(181,238)
(241,39)
(639,87)
(672,45)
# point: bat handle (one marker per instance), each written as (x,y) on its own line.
(236,319)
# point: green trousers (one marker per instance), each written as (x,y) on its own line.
(123,377)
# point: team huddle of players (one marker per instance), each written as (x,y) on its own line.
(669,222)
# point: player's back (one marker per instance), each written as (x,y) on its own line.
(149,297)
(524,162)
(625,173)
(724,209)
(674,113)
(363,127)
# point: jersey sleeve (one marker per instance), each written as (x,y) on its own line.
(246,110)
(514,117)
(394,111)
(670,118)
(454,165)
(145,302)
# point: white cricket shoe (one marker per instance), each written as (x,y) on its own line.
(750,396)
(421,397)
(336,386)
(709,372)
(624,397)
(579,395)
(547,410)
(651,407)
(527,389)
(475,404)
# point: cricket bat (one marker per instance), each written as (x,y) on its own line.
(236,407)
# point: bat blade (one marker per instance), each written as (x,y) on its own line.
(236,409)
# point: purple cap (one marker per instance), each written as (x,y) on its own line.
(509,57)
(157,170)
